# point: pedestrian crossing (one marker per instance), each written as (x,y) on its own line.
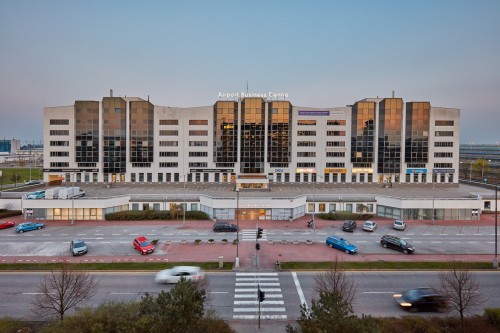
(250,234)
(246,303)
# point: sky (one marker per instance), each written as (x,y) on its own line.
(183,53)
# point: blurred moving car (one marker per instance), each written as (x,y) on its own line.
(6,224)
(34,182)
(396,243)
(349,225)
(143,245)
(369,226)
(341,244)
(36,195)
(174,274)
(399,225)
(224,227)
(422,299)
(28,226)
(78,247)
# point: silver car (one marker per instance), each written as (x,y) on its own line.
(369,226)
(78,247)
(399,225)
(174,274)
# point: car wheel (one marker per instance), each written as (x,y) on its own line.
(384,245)
(346,251)
(330,245)
(21,231)
(412,309)
(405,251)
(39,228)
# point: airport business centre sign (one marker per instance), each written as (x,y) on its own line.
(242,94)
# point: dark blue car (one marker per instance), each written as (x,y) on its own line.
(28,226)
(341,244)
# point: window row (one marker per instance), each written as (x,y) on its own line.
(59,121)
(443,154)
(59,132)
(443,144)
(59,153)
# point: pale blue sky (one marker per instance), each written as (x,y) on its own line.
(183,53)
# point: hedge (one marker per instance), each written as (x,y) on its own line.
(8,213)
(345,215)
(134,215)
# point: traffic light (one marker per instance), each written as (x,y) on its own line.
(259,232)
(257,246)
(262,295)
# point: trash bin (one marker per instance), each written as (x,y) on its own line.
(221,261)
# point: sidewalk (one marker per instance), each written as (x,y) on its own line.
(269,253)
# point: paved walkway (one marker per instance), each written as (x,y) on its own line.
(269,253)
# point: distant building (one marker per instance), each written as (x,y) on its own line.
(251,140)
(473,152)
(9,147)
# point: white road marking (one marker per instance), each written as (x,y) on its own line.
(299,290)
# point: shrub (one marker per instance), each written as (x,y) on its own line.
(196,215)
(133,215)
(492,315)
(8,213)
(345,215)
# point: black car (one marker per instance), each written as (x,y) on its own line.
(349,225)
(396,243)
(422,299)
(225,227)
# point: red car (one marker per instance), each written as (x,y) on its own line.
(7,224)
(143,245)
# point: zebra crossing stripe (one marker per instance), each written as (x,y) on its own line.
(257,309)
(263,317)
(254,290)
(266,302)
(260,279)
(255,296)
(262,284)
(256,274)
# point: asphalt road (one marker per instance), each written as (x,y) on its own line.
(117,240)
(233,295)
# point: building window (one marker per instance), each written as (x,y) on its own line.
(198,165)
(59,153)
(335,133)
(169,154)
(59,121)
(198,143)
(444,122)
(335,154)
(336,122)
(169,143)
(306,154)
(306,122)
(59,132)
(198,154)
(444,133)
(198,122)
(335,143)
(59,143)
(169,122)
(335,165)
(306,133)
(306,165)
(169,164)
(198,133)
(306,143)
(443,144)
(443,154)
(169,132)
(443,165)
(59,164)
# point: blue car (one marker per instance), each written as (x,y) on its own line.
(341,244)
(28,226)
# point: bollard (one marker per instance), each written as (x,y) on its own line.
(221,261)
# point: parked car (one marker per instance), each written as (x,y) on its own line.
(34,182)
(225,227)
(369,226)
(422,299)
(143,245)
(349,225)
(28,226)
(36,195)
(78,247)
(174,274)
(341,244)
(396,243)
(399,225)
(6,224)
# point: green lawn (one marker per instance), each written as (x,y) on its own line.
(23,175)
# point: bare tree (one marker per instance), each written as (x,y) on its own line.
(461,288)
(62,290)
(335,280)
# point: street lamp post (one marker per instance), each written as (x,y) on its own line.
(314,206)
(184,204)
(495,260)
(433,179)
(237,262)
(73,202)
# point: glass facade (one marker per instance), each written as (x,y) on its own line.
(141,133)
(417,132)
(389,136)
(253,134)
(279,134)
(86,133)
(362,134)
(114,115)
(225,133)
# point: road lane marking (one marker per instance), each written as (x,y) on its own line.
(255,295)
(261,309)
(299,290)
(254,290)
(256,302)
(262,317)
(251,284)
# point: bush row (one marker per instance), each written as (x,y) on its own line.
(8,213)
(345,215)
(134,215)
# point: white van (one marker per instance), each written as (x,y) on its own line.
(71,192)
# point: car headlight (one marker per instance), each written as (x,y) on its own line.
(397,295)
(405,304)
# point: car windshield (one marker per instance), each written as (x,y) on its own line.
(79,244)
(345,243)
(411,295)
(403,242)
(145,243)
